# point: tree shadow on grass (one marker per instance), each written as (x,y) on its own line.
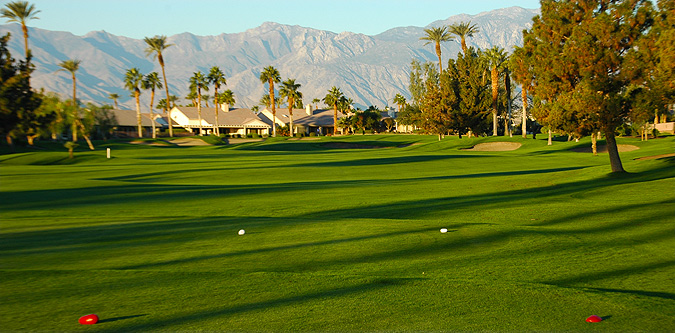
(110,320)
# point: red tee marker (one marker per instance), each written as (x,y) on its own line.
(593,319)
(89,319)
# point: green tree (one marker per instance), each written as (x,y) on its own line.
(20,12)
(156,46)
(152,82)
(495,58)
(463,30)
(217,79)
(474,95)
(132,82)
(197,83)
(522,74)
(270,75)
(72,66)
(316,103)
(437,35)
(580,62)
(227,97)
(400,101)
(290,90)
(114,97)
(333,99)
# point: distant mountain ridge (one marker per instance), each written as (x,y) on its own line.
(368,69)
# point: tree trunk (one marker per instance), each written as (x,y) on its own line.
(216,129)
(25,37)
(138,114)
(464,48)
(166,87)
(550,138)
(495,95)
(152,114)
(594,144)
(335,119)
(31,139)
(75,113)
(438,52)
(507,85)
(199,110)
(85,135)
(612,149)
(274,109)
(524,124)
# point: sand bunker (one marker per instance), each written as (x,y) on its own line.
(150,143)
(189,142)
(495,146)
(603,149)
(656,157)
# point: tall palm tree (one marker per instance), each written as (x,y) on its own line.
(216,78)
(20,12)
(400,101)
(316,101)
(463,30)
(226,97)
(72,66)
(157,45)
(289,90)
(333,98)
(152,82)
(270,75)
(197,83)
(437,35)
(114,97)
(495,57)
(206,98)
(132,81)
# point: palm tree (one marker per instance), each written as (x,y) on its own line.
(333,98)
(316,101)
(20,11)
(197,83)
(217,78)
(495,57)
(463,30)
(289,90)
(157,45)
(437,35)
(132,81)
(226,97)
(270,75)
(206,98)
(400,101)
(152,82)
(72,66)
(114,97)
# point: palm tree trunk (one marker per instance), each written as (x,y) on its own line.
(495,95)
(75,113)
(274,109)
(216,129)
(524,124)
(84,134)
(138,114)
(507,85)
(464,48)
(438,52)
(152,114)
(25,38)
(550,138)
(594,144)
(335,119)
(199,109)
(168,103)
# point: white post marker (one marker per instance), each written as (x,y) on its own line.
(108,151)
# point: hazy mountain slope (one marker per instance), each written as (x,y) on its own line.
(368,69)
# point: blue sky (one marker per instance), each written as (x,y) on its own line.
(140,18)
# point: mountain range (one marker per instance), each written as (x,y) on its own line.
(369,69)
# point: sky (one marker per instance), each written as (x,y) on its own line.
(141,18)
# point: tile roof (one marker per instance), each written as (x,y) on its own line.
(236,117)
(128,118)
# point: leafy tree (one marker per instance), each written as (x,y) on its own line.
(72,66)
(198,82)
(289,90)
(20,12)
(114,97)
(270,75)
(156,46)
(132,82)
(333,99)
(474,97)
(389,122)
(463,30)
(495,58)
(152,82)
(440,101)
(580,62)
(217,79)
(522,74)
(437,35)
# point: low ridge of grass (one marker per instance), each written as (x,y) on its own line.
(338,239)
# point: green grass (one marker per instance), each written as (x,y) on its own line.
(338,239)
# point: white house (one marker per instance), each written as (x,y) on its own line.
(227,120)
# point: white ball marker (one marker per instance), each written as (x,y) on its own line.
(241,232)
(444,230)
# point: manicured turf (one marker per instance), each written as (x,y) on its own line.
(338,239)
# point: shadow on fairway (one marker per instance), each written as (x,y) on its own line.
(110,320)
(325,295)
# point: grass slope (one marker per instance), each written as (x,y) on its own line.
(338,239)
